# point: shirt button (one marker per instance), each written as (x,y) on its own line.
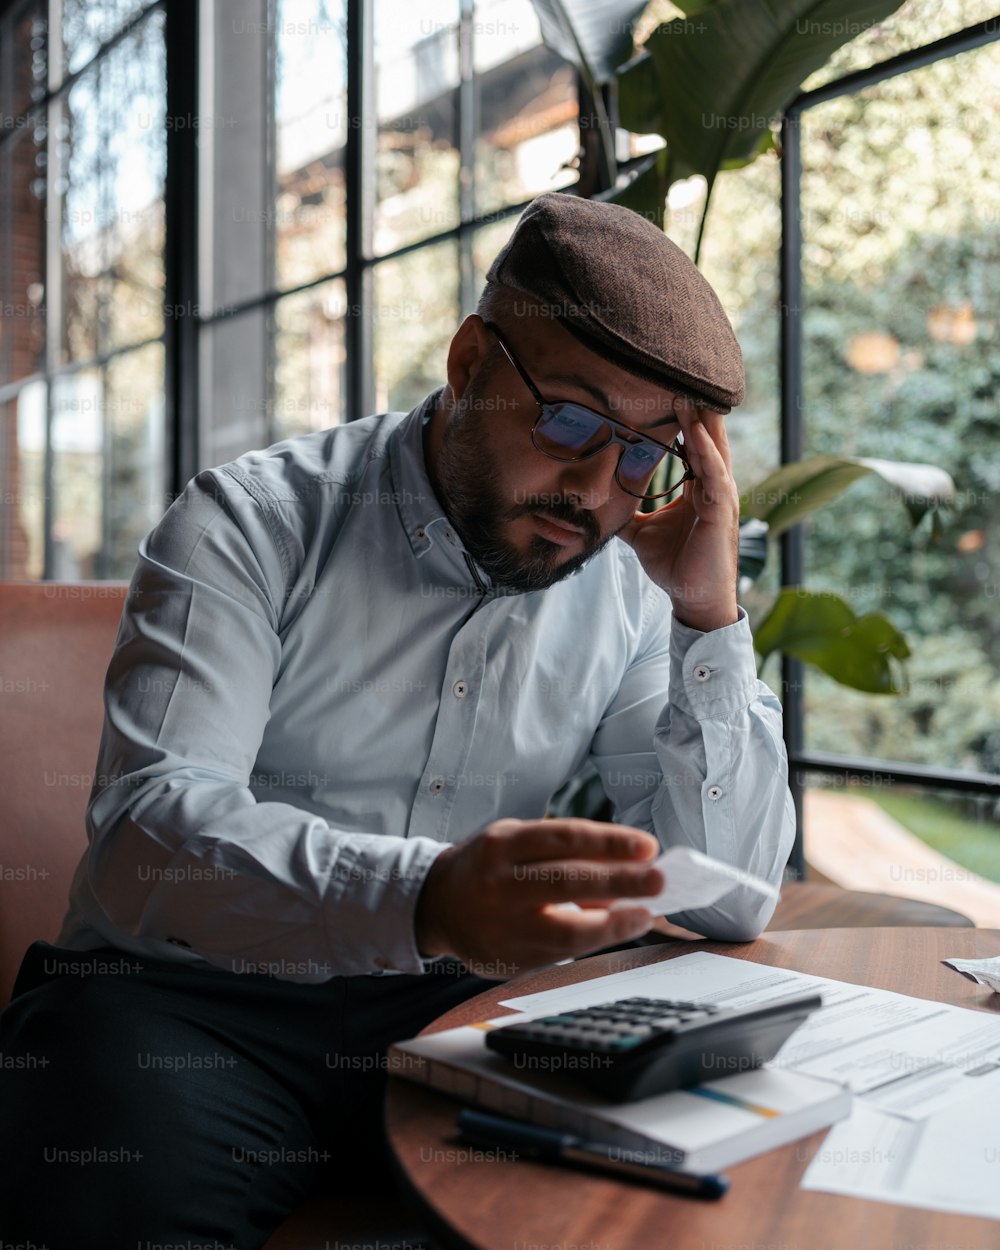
(437,785)
(702,672)
(460,689)
(421,532)
(715,793)
(449,535)
(179,942)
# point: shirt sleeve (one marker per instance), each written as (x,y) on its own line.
(181,850)
(691,750)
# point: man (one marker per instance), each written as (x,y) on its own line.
(351,671)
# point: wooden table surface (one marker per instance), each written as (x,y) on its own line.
(523,1205)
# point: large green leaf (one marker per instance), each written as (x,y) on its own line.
(820,628)
(727,69)
(593,35)
(646,192)
(640,99)
(795,490)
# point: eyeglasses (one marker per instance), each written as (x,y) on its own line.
(568,431)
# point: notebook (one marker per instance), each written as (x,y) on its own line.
(703,1129)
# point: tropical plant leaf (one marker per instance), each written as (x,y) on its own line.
(688,7)
(727,73)
(752,547)
(640,99)
(593,35)
(863,652)
(646,192)
(795,490)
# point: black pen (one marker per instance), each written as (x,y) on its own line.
(556,1147)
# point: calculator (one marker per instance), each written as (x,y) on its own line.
(632,1048)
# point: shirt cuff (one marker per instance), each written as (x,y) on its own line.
(712,675)
(374,910)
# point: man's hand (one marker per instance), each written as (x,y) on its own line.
(690,546)
(492,901)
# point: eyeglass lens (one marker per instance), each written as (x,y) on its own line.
(566,428)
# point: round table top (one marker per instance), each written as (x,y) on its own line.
(521,1204)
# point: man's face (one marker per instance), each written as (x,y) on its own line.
(497,488)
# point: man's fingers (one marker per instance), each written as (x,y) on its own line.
(594,928)
(573,839)
(574,881)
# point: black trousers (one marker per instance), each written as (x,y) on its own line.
(141,1101)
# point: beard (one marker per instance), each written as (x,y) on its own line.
(470,478)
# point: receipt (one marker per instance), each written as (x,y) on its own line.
(983,971)
(694,880)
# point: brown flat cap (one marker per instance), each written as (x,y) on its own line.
(629,294)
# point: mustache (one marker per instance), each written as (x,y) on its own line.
(555,513)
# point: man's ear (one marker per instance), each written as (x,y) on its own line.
(469,348)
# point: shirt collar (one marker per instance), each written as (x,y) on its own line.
(420,511)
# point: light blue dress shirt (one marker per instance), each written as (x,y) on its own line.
(315,689)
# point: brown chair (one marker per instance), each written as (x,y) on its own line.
(56,639)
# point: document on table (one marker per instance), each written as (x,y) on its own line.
(920,1070)
(947,1162)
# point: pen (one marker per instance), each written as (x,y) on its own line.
(553,1146)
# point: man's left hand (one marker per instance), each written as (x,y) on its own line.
(690,546)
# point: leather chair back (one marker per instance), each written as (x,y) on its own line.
(56,640)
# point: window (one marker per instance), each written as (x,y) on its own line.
(222,225)
(82,172)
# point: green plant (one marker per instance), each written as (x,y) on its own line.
(865,652)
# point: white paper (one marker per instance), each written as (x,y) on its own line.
(910,1056)
(982,971)
(945,1163)
(694,880)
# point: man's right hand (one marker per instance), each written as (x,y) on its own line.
(492,901)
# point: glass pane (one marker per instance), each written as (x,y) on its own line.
(112,218)
(915,23)
(87,24)
(22,252)
(739,257)
(487,241)
(417,161)
(22,504)
(23,63)
(309,361)
(311,130)
(77,476)
(528,111)
(902,264)
(236,202)
(935,845)
(415,316)
(134,418)
(233,377)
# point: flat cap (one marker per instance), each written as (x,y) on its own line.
(628,293)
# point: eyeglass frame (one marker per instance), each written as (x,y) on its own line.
(615,439)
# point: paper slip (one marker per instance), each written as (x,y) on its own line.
(694,880)
(983,971)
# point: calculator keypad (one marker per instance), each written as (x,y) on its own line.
(614,1027)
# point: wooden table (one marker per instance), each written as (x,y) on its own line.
(518,1205)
